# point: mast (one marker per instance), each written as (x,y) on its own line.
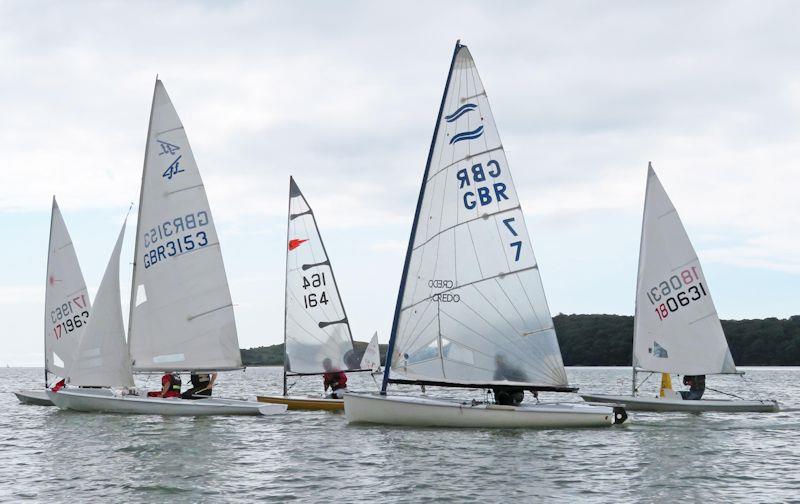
(46,282)
(410,249)
(286,279)
(638,271)
(139,218)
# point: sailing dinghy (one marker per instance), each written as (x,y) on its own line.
(67,308)
(181,314)
(676,328)
(471,310)
(316,327)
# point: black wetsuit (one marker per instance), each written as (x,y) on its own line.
(508,396)
(697,386)
(199,382)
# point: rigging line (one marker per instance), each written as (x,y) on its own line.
(413,330)
(725,393)
(524,361)
(643,381)
(413,342)
(521,347)
(541,328)
(483,216)
(501,274)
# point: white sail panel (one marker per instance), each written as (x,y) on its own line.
(316,323)
(677,329)
(181,310)
(67,305)
(372,355)
(473,308)
(102,356)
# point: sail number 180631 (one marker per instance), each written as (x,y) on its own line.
(684,287)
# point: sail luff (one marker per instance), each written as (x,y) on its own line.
(132,303)
(47,280)
(292,185)
(414,225)
(634,364)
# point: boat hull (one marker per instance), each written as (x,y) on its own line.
(305,403)
(660,404)
(101,400)
(34,397)
(423,412)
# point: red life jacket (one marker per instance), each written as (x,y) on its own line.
(59,385)
(335,380)
(174,381)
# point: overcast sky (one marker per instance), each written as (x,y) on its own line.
(344,95)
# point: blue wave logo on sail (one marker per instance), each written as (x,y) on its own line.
(467,135)
(469,107)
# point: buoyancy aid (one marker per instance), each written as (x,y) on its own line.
(335,380)
(174,381)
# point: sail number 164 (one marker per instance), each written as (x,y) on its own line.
(313,300)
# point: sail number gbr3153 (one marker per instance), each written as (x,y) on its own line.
(676,291)
(314,299)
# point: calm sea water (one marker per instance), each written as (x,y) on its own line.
(50,455)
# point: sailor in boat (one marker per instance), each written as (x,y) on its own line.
(202,383)
(503,395)
(335,379)
(697,385)
(170,386)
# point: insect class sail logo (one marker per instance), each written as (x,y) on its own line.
(174,168)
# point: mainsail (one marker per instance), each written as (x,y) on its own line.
(181,310)
(677,329)
(316,322)
(102,358)
(67,305)
(471,308)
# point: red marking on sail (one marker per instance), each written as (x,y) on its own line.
(52,279)
(294,243)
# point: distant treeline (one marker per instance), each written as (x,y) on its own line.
(606,340)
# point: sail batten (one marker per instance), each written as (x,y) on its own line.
(186,320)
(470,255)
(677,328)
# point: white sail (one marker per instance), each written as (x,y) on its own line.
(181,310)
(473,309)
(102,356)
(67,305)
(372,355)
(316,322)
(677,329)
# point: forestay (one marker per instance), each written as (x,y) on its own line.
(677,329)
(67,305)
(102,358)
(316,322)
(181,311)
(472,308)
(372,355)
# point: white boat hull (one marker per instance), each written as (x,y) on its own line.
(102,400)
(34,397)
(661,404)
(424,412)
